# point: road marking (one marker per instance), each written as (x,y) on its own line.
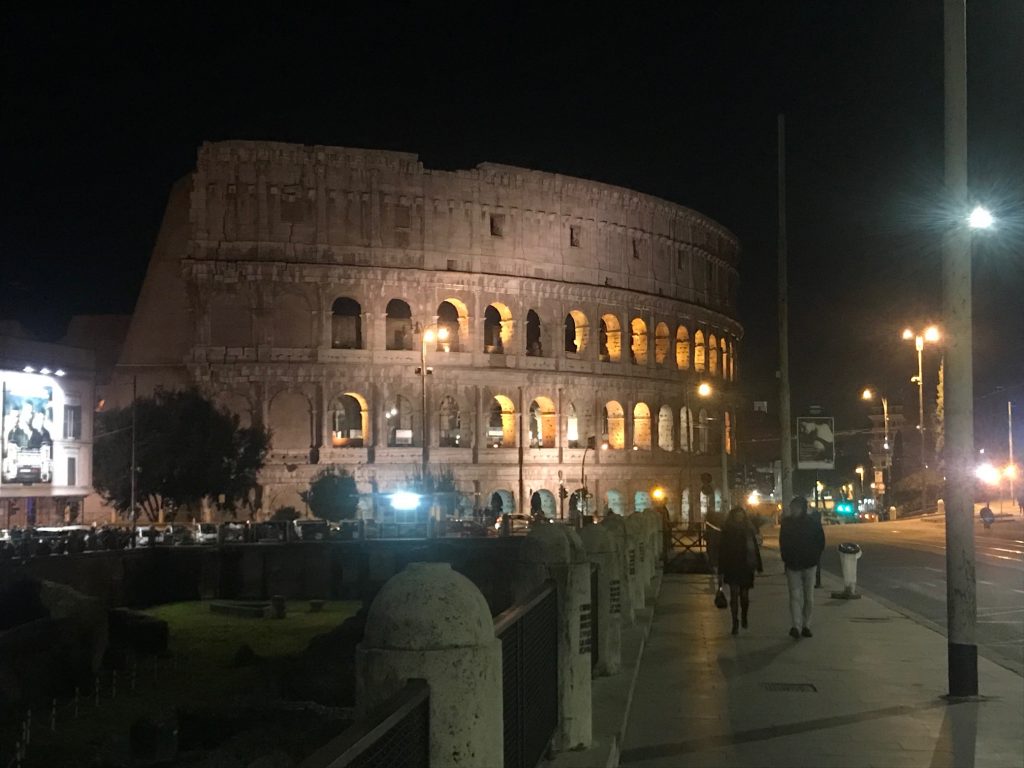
(1012,551)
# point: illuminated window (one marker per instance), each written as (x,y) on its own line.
(72,423)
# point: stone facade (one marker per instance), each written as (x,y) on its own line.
(293,284)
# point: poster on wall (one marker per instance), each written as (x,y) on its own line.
(27,430)
(815,443)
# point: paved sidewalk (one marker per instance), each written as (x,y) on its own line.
(866,690)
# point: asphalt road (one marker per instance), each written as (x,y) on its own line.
(904,563)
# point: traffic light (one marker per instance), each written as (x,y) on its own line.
(562,493)
(844,508)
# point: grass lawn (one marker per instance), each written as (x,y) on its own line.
(199,672)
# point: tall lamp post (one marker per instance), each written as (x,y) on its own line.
(869,394)
(930,335)
(705,391)
(583,475)
(429,335)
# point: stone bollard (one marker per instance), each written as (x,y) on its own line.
(432,623)
(556,552)
(603,550)
(635,531)
(616,527)
(657,539)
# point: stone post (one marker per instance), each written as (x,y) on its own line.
(616,527)
(432,623)
(556,552)
(602,550)
(635,534)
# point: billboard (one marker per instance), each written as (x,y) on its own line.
(815,443)
(28,427)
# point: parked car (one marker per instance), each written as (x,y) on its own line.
(204,533)
(149,535)
(464,528)
(311,530)
(517,523)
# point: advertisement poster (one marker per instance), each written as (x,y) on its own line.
(815,443)
(27,430)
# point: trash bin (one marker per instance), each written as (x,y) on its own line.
(849,554)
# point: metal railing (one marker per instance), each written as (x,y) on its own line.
(394,735)
(529,651)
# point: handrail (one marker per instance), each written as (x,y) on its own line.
(511,615)
(367,730)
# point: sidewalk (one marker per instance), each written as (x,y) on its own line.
(866,690)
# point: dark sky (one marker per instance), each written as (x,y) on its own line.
(103,109)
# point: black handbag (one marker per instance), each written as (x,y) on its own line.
(720,599)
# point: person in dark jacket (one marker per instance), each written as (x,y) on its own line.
(738,558)
(801,542)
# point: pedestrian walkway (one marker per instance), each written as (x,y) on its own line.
(866,690)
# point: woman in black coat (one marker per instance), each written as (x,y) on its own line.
(738,557)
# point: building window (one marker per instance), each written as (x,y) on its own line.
(72,471)
(497,225)
(574,236)
(636,249)
(72,422)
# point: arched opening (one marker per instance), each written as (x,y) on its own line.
(728,431)
(641,501)
(732,361)
(451,318)
(611,339)
(501,423)
(665,439)
(572,427)
(684,504)
(638,341)
(534,342)
(398,325)
(401,423)
(641,427)
(502,502)
(614,425)
(497,329)
(682,348)
(704,426)
(661,342)
(543,423)
(349,421)
(449,424)
(725,357)
(698,351)
(577,332)
(346,324)
(291,321)
(712,355)
(686,429)
(615,502)
(544,503)
(290,422)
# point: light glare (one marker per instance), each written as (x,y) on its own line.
(987,473)
(980,218)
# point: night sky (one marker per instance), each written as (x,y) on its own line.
(103,109)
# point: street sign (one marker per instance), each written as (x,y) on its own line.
(815,442)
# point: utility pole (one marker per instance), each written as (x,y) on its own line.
(785,419)
(1009,431)
(961,596)
(135,396)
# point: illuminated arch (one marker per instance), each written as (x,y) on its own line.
(614,425)
(349,421)
(501,423)
(728,432)
(610,339)
(577,332)
(641,427)
(402,423)
(686,429)
(682,348)
(615,502)
(712,355)
(698,351)
(450,432)
(724,350)
(665,424)
(638,341)
(453,317)
(661,342)
(534,335)
(543,501)
(543,423)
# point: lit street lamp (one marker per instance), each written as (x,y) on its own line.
(860,473)
(583,477)
(869,394)
(930,335)
(429,335)
(705,390)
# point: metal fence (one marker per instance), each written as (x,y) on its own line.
(394,735)
(529,649)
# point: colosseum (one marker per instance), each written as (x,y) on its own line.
(565,326)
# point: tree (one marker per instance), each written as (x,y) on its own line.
(439,487)
(332,495)
(186,450)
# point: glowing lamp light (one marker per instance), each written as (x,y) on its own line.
(405,501)
(658,494)
(1010,471)
(59,372)
(931,334)
(867,394)
(44,371)
(980,218)
(754,498)
(704,389)
(29,369)
(907,334)
(987,473)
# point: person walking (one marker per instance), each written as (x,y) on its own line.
(738,557)
(801,542)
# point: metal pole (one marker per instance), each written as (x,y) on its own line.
(135,390)
(423,393)
(919,343)
(583,483)
(783,292)
(961,594)
(725,469)
(1009,432)
(887,456)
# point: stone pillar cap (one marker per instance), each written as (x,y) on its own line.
(597,540)
(552,544)
(428,606)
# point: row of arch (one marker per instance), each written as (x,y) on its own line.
(642,428)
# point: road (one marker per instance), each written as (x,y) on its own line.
(904,562)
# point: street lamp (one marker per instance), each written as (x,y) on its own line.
(931,335)
(869,394)
(429,335)
(860,473)
(705,390)
(583,475)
